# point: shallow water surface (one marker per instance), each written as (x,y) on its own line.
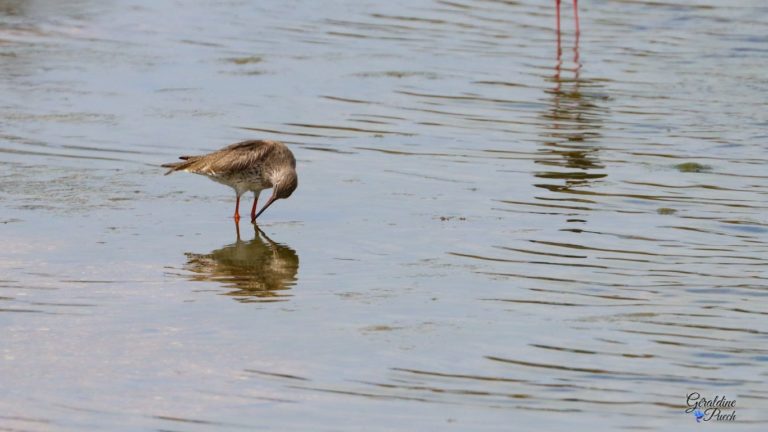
(484,236)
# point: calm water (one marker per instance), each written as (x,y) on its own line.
(483,237)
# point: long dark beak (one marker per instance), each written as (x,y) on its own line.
(269,203)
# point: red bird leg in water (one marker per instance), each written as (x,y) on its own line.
(253,209)
(559,49)
(237,209)
(575,15)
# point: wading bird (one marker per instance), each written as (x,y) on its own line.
(246,166)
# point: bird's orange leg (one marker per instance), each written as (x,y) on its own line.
(576,15)
(253,209)
(237,210)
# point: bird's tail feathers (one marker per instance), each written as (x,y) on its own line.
(179,166)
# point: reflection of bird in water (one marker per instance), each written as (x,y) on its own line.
(573,118)
(257,270)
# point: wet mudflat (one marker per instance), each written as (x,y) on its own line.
(483,236)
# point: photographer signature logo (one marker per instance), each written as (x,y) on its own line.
(719,408)
(699,414)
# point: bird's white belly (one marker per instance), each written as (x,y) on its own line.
(240,183)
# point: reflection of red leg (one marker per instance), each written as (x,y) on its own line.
(237,229)
(237,210)
(253,209)
(576,15)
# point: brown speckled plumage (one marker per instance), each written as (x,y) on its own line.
(252,165)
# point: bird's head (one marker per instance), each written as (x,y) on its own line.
(284,182)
